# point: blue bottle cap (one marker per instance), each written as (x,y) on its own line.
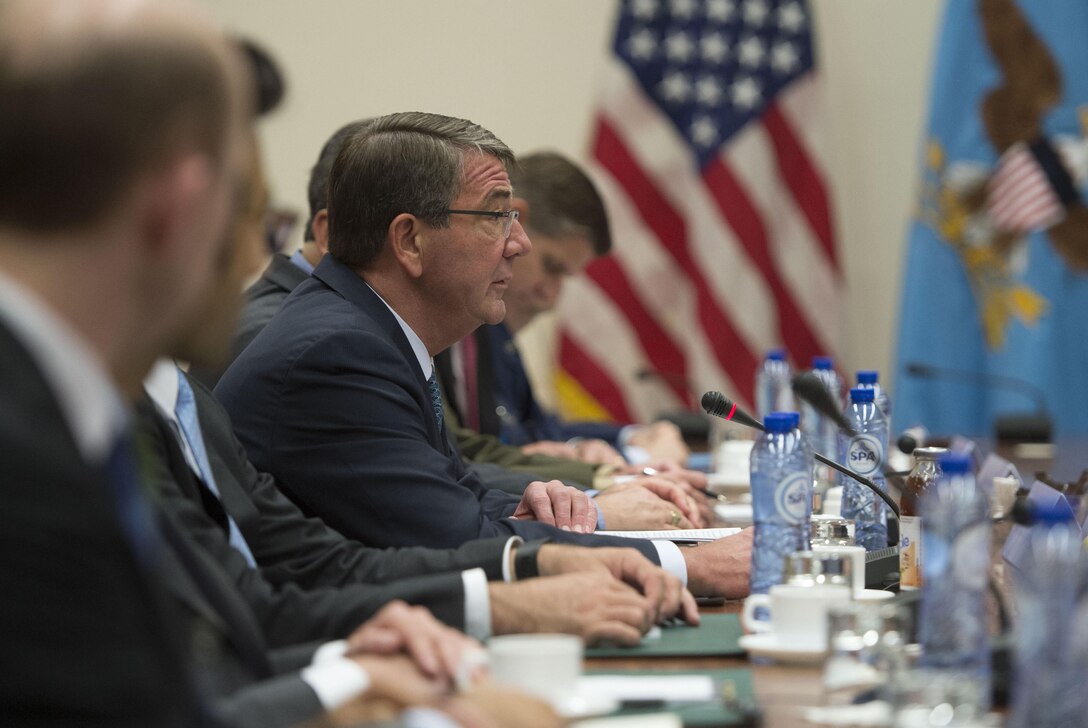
(867,376)
(954,463)
(861,394)
(822,362)
(1051,514)
(795,420)
(776,355)
(778,422)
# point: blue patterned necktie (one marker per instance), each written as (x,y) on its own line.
(436,400)
(190,427)
(133,511)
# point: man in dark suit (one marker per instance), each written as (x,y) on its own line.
(336,397)
(114,193)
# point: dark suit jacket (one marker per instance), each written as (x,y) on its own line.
(263,299)
(507,385)
(330,399)
(87,633)
(292,548)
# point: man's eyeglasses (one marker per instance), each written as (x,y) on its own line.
(508,217)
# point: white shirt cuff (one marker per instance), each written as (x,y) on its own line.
(510,543)
(672,560)
(329,651)
(426,718)
(477,604)
(335,681)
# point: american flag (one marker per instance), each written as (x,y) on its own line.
(1021,196)
(704,147)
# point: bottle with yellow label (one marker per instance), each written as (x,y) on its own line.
(925,474)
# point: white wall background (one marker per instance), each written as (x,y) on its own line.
(528,71)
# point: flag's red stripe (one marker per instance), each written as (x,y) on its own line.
(593,379)
(665,356)
(741,215)
(669,228)
(802,179)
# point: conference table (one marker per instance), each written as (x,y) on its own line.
(782,692)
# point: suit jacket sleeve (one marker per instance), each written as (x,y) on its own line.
(275,703)
(480,448)
(289,614)
(294,548)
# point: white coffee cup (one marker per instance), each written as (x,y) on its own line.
(856,554)
(546,665)
(798,613)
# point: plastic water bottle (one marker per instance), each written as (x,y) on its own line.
(781,474)
(954,630)
(773,390)
(1051,665)
(821,432)
(868,379)
(864,453)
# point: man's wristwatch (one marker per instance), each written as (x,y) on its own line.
(525,566)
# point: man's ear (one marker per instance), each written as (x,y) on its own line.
(319,226)
(172,200)
(406,236)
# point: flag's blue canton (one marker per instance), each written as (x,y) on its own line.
(714,65)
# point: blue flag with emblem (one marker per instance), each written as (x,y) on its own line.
(996,282)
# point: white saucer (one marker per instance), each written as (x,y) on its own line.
(586,705)
(766,644)
(873,595)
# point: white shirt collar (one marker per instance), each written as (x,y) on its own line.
(422,356)
(161,384)
(89,400)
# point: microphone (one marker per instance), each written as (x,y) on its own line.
(812,389)
(717,405)
(1020,426)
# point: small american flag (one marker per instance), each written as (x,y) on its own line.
(704,147)
(1021,197)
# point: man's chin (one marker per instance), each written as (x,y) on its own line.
(495,313)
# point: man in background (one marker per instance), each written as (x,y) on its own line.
(565,217)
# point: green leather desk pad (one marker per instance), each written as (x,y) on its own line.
(716,637)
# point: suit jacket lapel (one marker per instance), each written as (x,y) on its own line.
(348,284)
(188,573)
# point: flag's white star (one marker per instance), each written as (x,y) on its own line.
(675,87)
(708,91)
(713,47)
(642,44)
(720,10)
(755,13)
(791,17)
(752,51)
(679,46)
(682,9)
(704,131)
(746,93)
(784,58)
(644,9)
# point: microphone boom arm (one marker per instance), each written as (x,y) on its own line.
(861,479)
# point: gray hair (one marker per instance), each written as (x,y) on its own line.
(410,162)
